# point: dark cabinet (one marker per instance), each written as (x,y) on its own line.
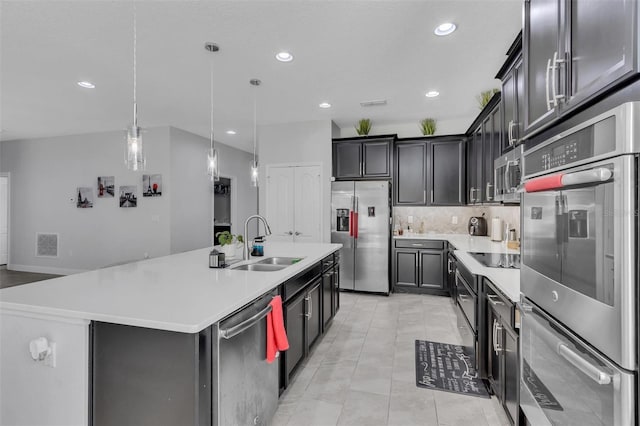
(313,314)
(446,183)
(419,266)
(485,140)
(512,103)
(502,358)
(327,297)
(355,158)
(410,174)
(575,51)
(430,172)
(432,269)
(294,314)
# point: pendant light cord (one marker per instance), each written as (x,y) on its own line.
(255,125)
(135,51)
(211,88)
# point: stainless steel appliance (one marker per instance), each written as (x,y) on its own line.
(466,295)
(498,260)
(579,259)
(361,222)
(247,388)
(507,178)
(477,226)
(564,381)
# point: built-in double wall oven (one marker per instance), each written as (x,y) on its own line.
(579,352)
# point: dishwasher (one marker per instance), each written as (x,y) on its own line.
(246,387)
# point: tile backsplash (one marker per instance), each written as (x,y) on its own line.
(440,219)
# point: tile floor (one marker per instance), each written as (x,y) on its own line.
(11,278)
(363,371)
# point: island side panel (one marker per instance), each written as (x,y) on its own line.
(32,392)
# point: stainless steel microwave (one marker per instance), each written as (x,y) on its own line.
(508,176)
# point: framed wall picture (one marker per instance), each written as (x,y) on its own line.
(128,196)
(151,185)
(84,198)
(106,187)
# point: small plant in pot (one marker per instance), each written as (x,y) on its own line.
(428,126)
(364,127)
(484,97)
(229,243)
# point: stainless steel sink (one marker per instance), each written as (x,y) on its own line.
(280,261)
(259,267)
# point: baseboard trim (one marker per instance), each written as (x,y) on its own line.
(43,269)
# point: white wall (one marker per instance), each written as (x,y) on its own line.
(44,176)
(46,172)
(191,225)
(299,143)
(410,130)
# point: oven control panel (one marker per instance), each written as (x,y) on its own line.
(574,147)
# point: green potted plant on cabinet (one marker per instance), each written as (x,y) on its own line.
(428,126)
(364,127)
(229,243)
(484,97)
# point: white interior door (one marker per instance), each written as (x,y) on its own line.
(279,202)
(307,210)
(4,220)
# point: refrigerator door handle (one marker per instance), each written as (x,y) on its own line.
(355,225)
(351,223)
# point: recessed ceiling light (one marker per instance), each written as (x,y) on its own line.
(231,132)
(284,57)
(445,29)
(325,105)
(86,84)
(432,93)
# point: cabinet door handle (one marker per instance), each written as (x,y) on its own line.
(554,84)
(424,195)
(432,196)
(307,313)
(512,140)
(492,300)
(470,195)
(546,86)
(489,197)
(493,336)
(499,347)
(310,307)
(449,266)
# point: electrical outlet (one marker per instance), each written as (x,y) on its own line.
(409,219)
(454,220)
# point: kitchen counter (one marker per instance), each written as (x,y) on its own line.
(175,293)
(507,280)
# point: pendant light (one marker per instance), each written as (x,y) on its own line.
(212,156)
(254,165)
(134,157)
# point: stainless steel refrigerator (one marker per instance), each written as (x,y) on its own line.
(361,222)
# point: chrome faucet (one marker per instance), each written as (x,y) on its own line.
(245,250)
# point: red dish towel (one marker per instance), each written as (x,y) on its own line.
(276,334)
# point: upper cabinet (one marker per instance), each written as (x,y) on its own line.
(362,158)
(429,171)
(485,138)
(512,104)
(573,52)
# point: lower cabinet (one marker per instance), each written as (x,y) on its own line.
(310,301)
(502,346)
(419,266)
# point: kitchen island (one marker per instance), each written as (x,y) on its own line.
(177,295)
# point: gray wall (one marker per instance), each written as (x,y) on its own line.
(191,206)
(44,176)
(299,143)
(46,172)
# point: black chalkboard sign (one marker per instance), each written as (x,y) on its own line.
(447,367)
(542,395)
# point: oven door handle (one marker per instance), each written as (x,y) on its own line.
(560,180)
(590,370)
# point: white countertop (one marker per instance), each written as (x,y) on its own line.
(176,293)
(506,280)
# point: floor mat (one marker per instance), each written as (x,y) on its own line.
(447,367)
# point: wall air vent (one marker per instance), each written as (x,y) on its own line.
(46,245)
(378,102)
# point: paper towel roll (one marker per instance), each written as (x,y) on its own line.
(496,229)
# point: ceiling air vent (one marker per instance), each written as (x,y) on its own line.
(378,102)
(46,245)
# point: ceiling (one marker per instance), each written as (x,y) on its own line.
(344,52)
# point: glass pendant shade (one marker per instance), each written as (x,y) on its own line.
(134,154)
(212,165)
(254,174)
